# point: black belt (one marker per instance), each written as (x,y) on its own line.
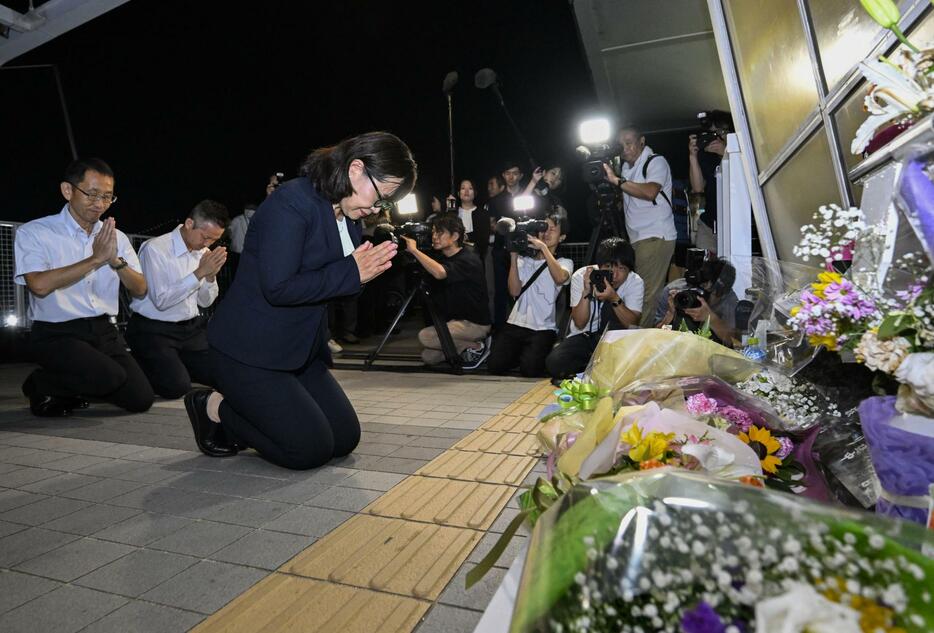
(137,315)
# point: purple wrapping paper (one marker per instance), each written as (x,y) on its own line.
(904,461)
(918,193)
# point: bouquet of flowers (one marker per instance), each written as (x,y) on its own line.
(669,550)
(798,402)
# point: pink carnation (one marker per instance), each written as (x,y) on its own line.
(786,447)
(699,404)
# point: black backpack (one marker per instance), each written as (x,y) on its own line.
(645,174)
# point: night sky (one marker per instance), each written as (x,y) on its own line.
(193,100)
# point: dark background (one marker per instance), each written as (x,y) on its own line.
(193,100)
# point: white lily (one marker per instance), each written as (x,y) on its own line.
(894,94)
(713,459)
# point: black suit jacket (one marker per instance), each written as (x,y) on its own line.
(275,314)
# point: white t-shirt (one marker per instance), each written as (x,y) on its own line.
(631,292)
(346,242)
(535,309)
(643,218)
(467,218)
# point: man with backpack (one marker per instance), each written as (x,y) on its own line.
(645,181)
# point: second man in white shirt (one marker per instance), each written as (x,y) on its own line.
(166,333)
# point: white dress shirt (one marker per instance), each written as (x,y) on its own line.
(56,241)
(643,218)
(174,292)
(535,309)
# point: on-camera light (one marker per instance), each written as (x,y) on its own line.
(11,320)
(408,205)
(594,131)
(523,203)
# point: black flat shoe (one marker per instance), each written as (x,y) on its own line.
(76,403)
(48,407)
(208,434)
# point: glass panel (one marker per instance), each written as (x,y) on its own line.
(849,116)
(774,70)
(796,191)
(845,34)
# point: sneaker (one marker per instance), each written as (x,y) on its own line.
(473,358)
(334,346)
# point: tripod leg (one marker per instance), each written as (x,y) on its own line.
(444,334)
(405,306)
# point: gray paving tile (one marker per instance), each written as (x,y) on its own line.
(60,483)
(39,457)
(144,528)
(30,543)
(168,500)
(10,499)
(347,499)
(75,559)
(26,475)
(137,572)
(7,528)
(103,490)
(445,619)
(91,519)
(478,596)
(308,521)
(43,511)
(74,463)
(206,587)
(373,480)
(357,462)
(398,465)
(225,483)
(64,610)
(17,588)
(14,454)
(375,448)
(249,512)
(417,452)
(448,432)
(6,468)
(513,549)
(144,617)
(201,538)
(503,520)
(442,443)
(264,549)
(295,491)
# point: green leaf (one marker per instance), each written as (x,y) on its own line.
(895,324)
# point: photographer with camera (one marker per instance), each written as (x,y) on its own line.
(535,280)
(705,291)
(459,291)
(608,295)
(705,151)
(542,186)
(645,181)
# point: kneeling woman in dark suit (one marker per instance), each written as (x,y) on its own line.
(269,335)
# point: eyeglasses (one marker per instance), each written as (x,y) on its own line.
(106,198)
(381,202)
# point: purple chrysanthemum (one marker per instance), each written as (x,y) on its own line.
(737,417)
(702,619)
(786,447)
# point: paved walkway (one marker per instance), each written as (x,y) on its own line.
(111,522)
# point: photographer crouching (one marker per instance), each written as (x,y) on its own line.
(705,292)
(606,296)
(535,280)
(459,291)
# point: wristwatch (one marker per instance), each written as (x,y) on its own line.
(122,264)
(617,303)
(622,181)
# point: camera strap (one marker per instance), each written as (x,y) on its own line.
(645,174)
(532,279)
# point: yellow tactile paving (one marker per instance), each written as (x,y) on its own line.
(444,501)
(511,424)
(287,604)
(381,570)
(402,557)
(485,441)
(485,467)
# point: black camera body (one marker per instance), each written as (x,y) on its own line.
(690,297)
(517,241)
(600,279)
(451,205)
(706,138)
(418,231)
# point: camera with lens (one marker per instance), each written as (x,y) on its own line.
(517,241)
(599,279)
(706,138)
(451,205)
(418,231)
(689,298)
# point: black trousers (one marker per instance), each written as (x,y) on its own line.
(297,419)
(87,358)
(172,355)
(571,355)
(514,345)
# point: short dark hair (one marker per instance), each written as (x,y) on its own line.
(721,272)
(616,250)
(630,128)
(75,171)
(716,119)
(509,164)
(499,179)
(210,211)
(451,223)
(383,154)
(560,220)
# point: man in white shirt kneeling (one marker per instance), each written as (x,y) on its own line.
(166,333)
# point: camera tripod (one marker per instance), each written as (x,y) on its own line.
(421,288)
(609,221)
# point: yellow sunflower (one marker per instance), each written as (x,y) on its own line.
(762,442)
